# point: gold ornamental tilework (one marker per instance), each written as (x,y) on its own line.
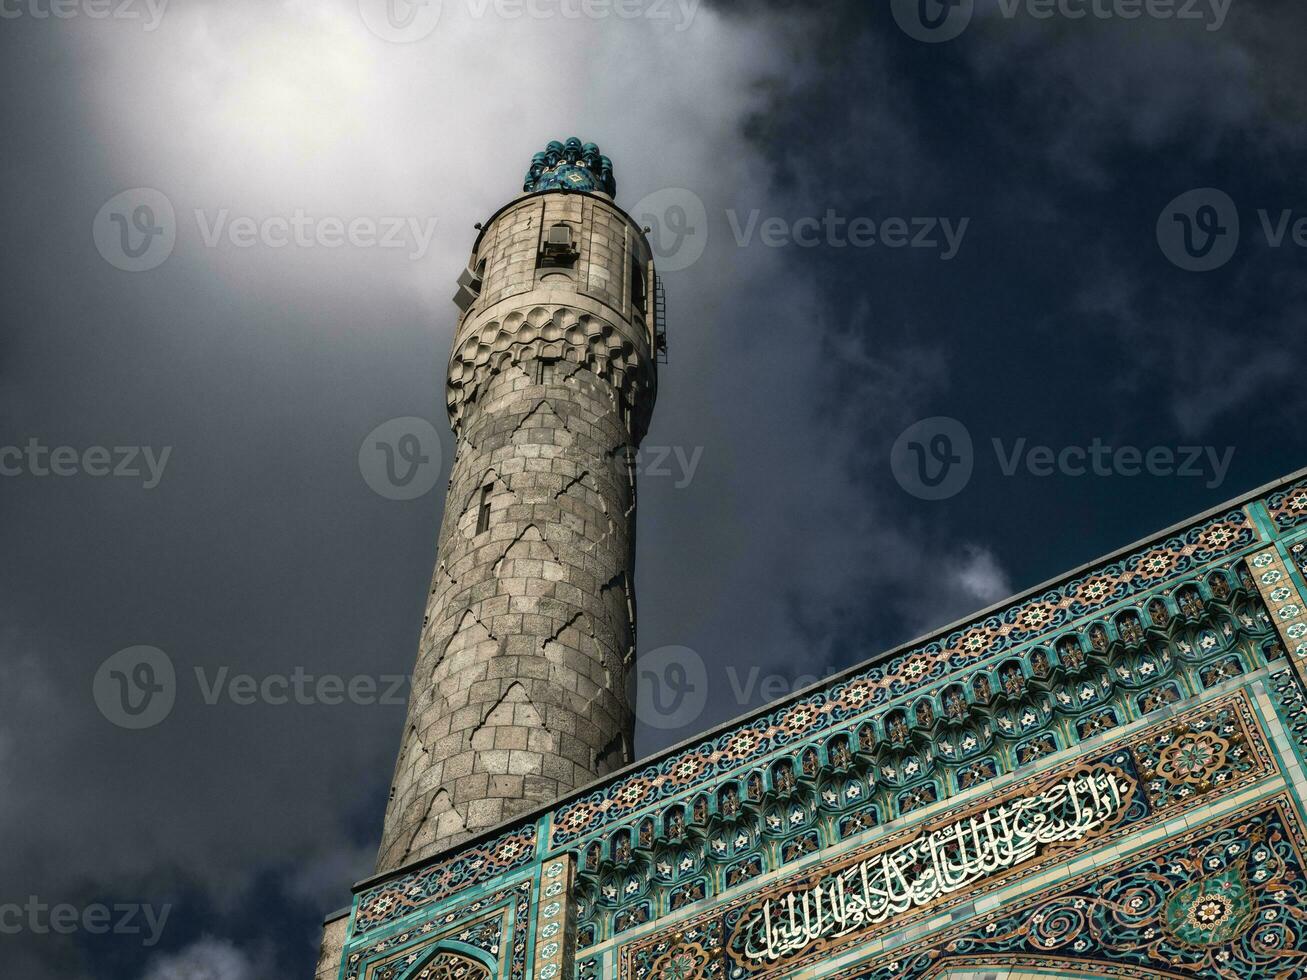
(554,920)
(1286,605)
(1189,760)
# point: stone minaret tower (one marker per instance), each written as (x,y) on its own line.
(521,691)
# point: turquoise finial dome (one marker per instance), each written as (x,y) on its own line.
(571,165)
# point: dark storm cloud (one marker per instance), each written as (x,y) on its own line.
(1060,323)
(1064,140)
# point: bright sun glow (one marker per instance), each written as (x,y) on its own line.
(286,97)
(283,98)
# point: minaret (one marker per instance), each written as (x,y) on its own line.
(522,686)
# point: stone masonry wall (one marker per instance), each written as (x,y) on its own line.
(520,692)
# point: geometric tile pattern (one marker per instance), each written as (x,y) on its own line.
(484,924)
(1288,610)
(553,921)
(1194,759)
(1146,569)
(395,898)
(1288,507)
(1223,901)
(1166,664)
(809,793)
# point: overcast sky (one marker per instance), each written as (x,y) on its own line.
(232,323)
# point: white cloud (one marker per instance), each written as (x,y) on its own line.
(207,959)
(979,577)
